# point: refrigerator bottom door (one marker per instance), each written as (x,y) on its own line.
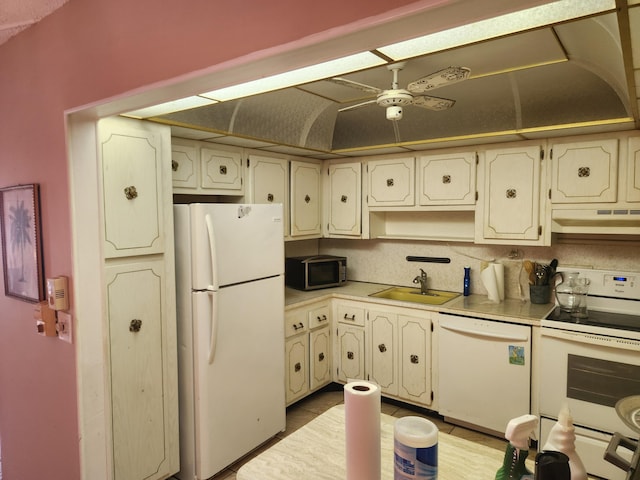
(239,390)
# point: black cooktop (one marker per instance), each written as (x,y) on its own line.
(597,318)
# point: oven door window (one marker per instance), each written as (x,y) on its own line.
(323,273)
(599,381)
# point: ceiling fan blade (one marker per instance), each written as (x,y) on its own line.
(357,105)
(360,86)
(439,79)
(432,103)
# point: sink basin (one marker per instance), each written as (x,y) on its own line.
(407,294)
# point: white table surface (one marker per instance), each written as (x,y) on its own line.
(316,451)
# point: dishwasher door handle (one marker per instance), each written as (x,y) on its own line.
(479,333)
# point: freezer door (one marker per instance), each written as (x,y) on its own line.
(238,370)
(245,241)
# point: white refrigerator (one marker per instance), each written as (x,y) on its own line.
(230,304)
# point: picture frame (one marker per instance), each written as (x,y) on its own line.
(22,243)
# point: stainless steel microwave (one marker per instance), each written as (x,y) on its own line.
(315,271)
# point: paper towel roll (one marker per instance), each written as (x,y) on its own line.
(499,269)
(362,430)
(493,280)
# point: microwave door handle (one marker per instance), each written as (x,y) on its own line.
(213,338)
(212,249)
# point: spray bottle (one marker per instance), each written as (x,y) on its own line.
(518,431)
(562,438)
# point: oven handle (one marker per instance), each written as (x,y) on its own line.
(611,456)
(478,333)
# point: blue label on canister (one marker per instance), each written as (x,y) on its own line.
(415,463)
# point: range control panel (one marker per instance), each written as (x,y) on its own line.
(608,283)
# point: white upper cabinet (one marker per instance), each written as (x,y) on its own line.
(306,204)
(221,169)
(184,164)
(268,182)
(633,170)
(344,199)
(511,197)
(391,182)
(584,172)
(447,179)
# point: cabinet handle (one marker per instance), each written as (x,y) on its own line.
(350,355)
(352,317)
(297,367)
(343,199)
(307,199)
(322,318)
(298,326)
(446,179)
(389,182)
(135,325)
(269,197)
(511,193)
(223,169)
(130,192)
(414,358)
(174,165)
(382,348)
(320,357)
(584,172)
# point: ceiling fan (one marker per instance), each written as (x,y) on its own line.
(396,98)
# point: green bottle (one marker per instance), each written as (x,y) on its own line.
(518,432)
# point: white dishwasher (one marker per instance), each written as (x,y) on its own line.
(484,371)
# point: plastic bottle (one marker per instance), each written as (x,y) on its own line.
(562,438)
(518,431)
(467,281)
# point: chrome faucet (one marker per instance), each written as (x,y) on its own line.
(422,280)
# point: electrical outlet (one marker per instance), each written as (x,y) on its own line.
(514,254)
(64,327)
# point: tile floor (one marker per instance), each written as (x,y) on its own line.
(307,409)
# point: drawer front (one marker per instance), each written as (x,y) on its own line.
(351,315)
(295,322)
(319,317)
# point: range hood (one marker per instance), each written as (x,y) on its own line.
(605,221)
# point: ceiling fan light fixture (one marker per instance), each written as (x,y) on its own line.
(394,113)
(392,98)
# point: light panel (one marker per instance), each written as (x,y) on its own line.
(170,107)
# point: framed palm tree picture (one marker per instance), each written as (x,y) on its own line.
(21,242)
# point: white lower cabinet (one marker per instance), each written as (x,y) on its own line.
(307,350)
(390,347)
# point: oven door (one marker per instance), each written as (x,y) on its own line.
(590,373)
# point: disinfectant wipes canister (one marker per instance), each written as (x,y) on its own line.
(415,442)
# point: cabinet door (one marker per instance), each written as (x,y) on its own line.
(585,172)
(350,353)
(268,182)
(345,199)
(305,199)
(221,170)
(184,164)
(448,179)
(511,196)
(132,160)
(297,379)
(391,182)
(382,365)
(633,170)
(415,359)
(320,357)
(142,385)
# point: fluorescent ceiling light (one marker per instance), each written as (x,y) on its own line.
(169,107)
(311,73)
(495,27)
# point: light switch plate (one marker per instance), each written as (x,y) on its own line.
(64,327)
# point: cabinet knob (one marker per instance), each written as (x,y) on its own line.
(343,199)
(389,182)
(130,192)
(320,357)
(511,193)
(350,355)
(584,172)
(414,358)
(174,165)
(307,199)
(382,348)
(297,367)
(446,179)
(270,197)
(352,317)
(135,325)
(223,169)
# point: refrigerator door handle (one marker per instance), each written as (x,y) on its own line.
(213,339)
(212,248)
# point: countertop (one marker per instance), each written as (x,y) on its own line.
(474,305)
(317,451)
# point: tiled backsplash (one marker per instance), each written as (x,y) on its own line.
(384,261)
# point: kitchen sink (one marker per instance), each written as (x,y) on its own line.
(407,294)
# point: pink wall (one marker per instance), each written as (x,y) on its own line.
(87,51)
